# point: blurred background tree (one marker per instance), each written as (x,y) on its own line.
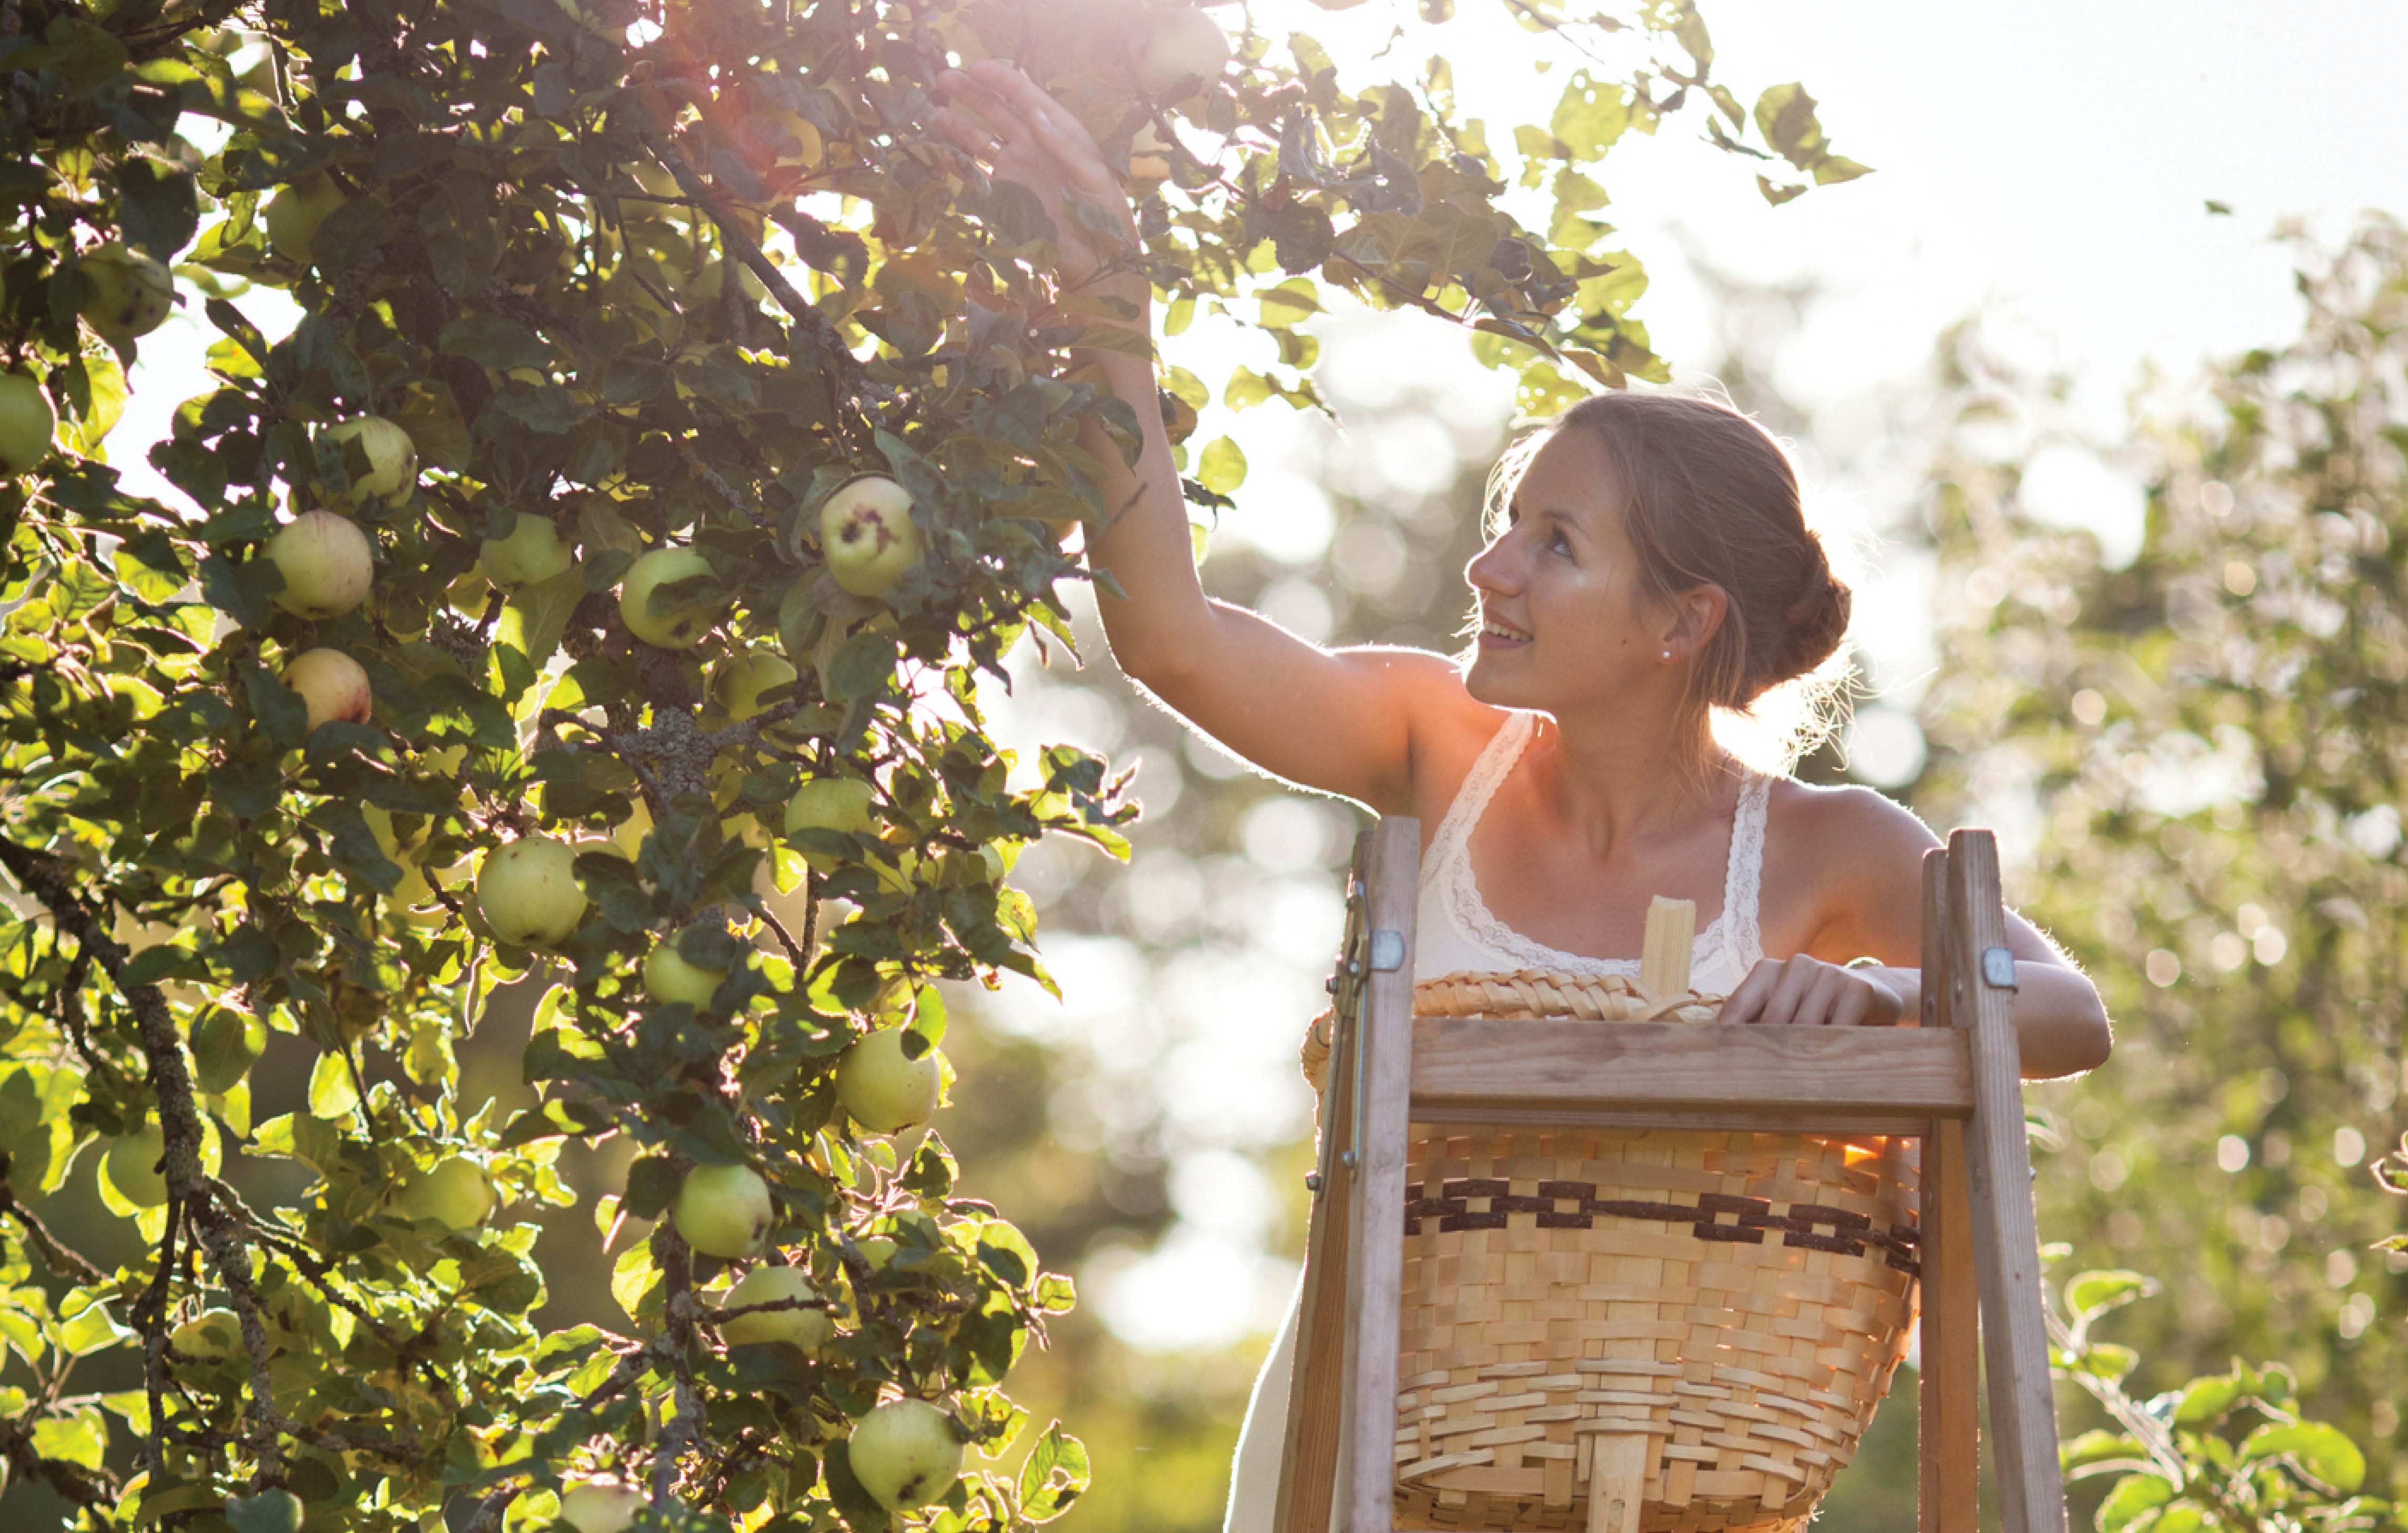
(2201,752)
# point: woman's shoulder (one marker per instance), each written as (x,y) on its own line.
(1849,861)
(1818,819)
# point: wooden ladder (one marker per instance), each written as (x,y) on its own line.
(1953,1083)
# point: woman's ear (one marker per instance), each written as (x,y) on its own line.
(1697,615)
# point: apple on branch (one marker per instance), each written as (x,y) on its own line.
(906,1453)
(295,211)
(1185,51)
(529,894)
(133,1169)
(599,1506)
(882,1088)
(668,978)
(529,556)
(868,536)
(671,626)
(455,1191)
(332,686)
(27,423)
(739,684)
(392,458)
(126,293)
(724,1210)
(327,563)
(829,803)
(806,1329)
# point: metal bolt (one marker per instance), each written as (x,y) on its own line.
(1312,1181)
(1346,1159)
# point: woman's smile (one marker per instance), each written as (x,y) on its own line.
(1496,634)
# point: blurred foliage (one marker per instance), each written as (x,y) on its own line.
(612,297)
(2227,1450)
(2204,751)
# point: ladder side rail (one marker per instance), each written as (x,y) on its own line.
(1316,1383)
(2006,1237)
(1367,1452)
(1948,1447)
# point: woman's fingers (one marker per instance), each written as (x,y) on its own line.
(1796,985)
(1854,1002)
(1745,1003)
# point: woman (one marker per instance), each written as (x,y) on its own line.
(1649,565)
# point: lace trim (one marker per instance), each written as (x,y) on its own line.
(1734,932)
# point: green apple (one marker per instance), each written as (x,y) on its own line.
(331,685)
(529,892)
(831,803)
(212,1336)
(134,1167)
(1185,51)
(455,1191)
(599,1506)
(804,1329)
(906,1453)
(533,551)
(724,1210)
(737,682)
(125,292)
(675,627)
(392,457)
(294,213)
(884,1090)
(669,978)
(866,535)
(26,422)
(326,562)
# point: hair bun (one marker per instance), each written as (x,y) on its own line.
(1818,617)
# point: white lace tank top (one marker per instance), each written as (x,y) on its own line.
(1457,931)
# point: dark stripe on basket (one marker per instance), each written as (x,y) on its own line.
(1810,1226)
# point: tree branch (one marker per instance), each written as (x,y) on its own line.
(55,1256)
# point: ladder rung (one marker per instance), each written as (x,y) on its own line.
(1785,1075)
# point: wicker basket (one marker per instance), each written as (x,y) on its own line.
(1711,1316)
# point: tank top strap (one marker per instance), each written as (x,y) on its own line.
(1744,874)
(1494,764)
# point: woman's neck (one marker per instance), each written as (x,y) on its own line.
(1606,781)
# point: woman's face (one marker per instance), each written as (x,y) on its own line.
(1562,619)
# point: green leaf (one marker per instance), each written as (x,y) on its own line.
(1054,1474)
(2208,1399)
(2323,1453)
(333,1093)
(494,342)
(2092,1294)
(2133,1497)
(652,1185)
(1223,465)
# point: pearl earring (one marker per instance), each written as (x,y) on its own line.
(1668,654)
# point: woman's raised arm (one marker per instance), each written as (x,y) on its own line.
(1342,721)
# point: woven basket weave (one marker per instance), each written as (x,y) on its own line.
(1723,1310)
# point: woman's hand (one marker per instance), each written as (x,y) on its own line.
(1809,993)
(1002,118)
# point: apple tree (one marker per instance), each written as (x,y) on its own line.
(594,583)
